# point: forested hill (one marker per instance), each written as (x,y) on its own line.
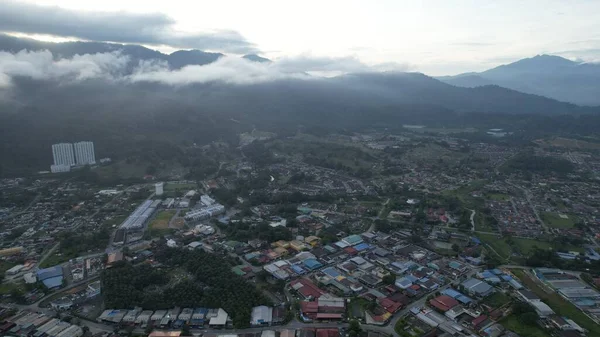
(150,117)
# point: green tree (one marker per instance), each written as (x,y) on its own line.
(529,318)
(389,279)
(185,330)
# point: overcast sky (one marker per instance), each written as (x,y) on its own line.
(437,37)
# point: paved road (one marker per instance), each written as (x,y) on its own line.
(472,220)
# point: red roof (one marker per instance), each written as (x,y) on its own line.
(350,251)
(308,288)
(309,307)
(444,302)
(329,316)
(415,287)
(476,321)
(389,305)
(328,333)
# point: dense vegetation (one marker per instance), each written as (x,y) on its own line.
(241,231)
(528,162)
(125,286)
(548,258)
(223,288)
(73,245)
(211,283)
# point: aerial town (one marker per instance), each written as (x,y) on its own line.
(422,232)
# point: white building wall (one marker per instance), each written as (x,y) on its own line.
(63,154)
(84,153)
(159,188)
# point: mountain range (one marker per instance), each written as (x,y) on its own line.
(547,75)
(176,60)
(149,115)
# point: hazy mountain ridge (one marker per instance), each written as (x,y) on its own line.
(547,75)
(176,60)
(39,112)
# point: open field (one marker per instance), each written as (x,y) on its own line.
(170,187)
(556,221)
(519,245)
(496,300)
(512,323)
(561,306)
(568,143)
(161,221)
(499,245)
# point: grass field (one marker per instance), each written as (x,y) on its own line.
(561,306)
(8,287)
(496,300)
(162,220)
(522,246)
(169,187)
(499,245)
(569,143)
(512,323)
(481,223)
(554,220)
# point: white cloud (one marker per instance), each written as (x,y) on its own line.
(41,65)
(227,69)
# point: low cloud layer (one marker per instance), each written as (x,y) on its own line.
(348,64)
(154,29)
(42,65)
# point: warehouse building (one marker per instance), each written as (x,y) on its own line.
(51,277)
(261,315)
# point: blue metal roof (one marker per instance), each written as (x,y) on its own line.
(464,299)
(312,263)
(297,269)
(53,282)
(362,246)
(331,272)
(55,271)
(451,292)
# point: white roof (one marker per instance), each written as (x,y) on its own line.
(542,308)
(281,263)
(261,314)
(358,260)
(220,319)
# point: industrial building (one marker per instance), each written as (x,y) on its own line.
(15,270)
(261,315)
(138,218)
(220,320)
(51,277)
(477,287)
(205,212)
(206,200)
(72,331)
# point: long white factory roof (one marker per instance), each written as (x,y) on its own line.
(137,218)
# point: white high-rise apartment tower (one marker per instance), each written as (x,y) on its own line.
(84,153)
(63,154)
